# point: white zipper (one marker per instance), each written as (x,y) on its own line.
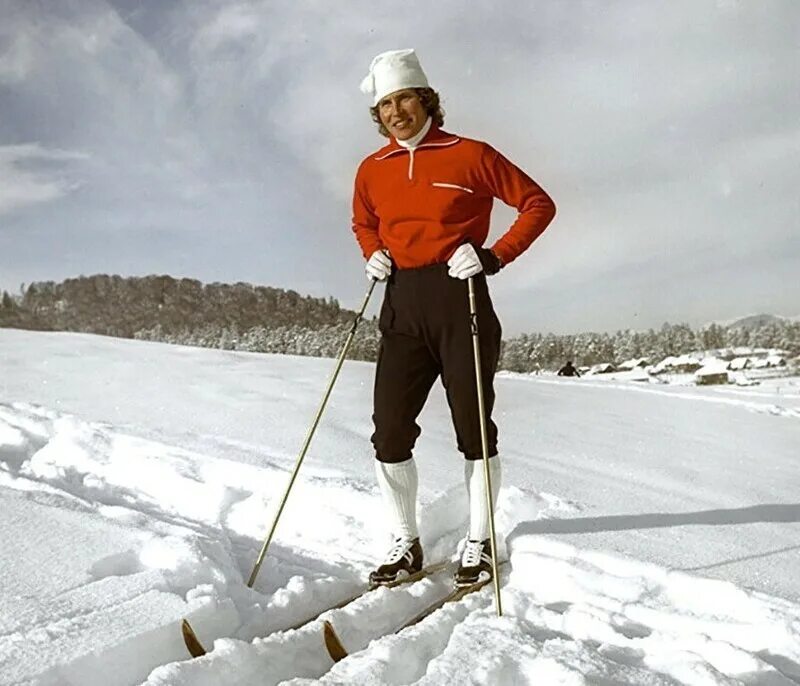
(452,185)
(410,164)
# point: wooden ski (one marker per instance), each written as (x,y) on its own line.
(196,648)
(337,651)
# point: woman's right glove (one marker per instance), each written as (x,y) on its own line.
(379,266)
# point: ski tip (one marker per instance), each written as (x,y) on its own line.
(193,644)
(332,643)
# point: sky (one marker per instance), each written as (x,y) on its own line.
(219,141)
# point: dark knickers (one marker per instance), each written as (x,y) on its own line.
(426,333)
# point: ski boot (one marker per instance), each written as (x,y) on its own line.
(404,559)
(476,564)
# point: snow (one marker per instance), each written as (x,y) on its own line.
(602,368)
(712,367)
(689,361)
(633,363)
(651,529)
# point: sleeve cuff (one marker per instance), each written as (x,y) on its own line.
(490,262)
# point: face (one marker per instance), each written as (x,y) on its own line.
(402,114)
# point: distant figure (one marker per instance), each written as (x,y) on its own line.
(568,370)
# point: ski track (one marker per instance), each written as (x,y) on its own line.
(196,512)
(169,534)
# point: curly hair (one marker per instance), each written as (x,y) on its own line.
(429,99)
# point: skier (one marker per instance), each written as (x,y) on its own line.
(421,208)
(568,370)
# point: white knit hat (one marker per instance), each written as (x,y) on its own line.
(392,71)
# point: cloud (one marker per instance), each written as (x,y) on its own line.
(16,59)
(231,25)
(32,175)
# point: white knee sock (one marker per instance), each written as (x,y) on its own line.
(398,484)
(476,490)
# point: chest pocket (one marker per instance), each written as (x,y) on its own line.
(453,186)
(451,202)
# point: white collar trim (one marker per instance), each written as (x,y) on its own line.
(440,144)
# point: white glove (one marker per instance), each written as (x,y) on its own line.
(379,266)
(464,262)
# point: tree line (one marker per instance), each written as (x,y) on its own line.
(117,306)
(244,317)
(530,352)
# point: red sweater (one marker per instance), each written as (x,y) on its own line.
(422,205)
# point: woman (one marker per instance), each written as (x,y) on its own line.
(421,210)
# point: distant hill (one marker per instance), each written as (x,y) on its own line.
(756,321)
(122,306)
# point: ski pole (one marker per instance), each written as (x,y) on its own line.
(476,348)
(311,431)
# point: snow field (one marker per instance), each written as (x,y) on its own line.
(785,390)
(136,491)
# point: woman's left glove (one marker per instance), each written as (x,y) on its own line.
(468,261)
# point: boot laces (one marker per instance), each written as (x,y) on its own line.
(398,550)
(472,554)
